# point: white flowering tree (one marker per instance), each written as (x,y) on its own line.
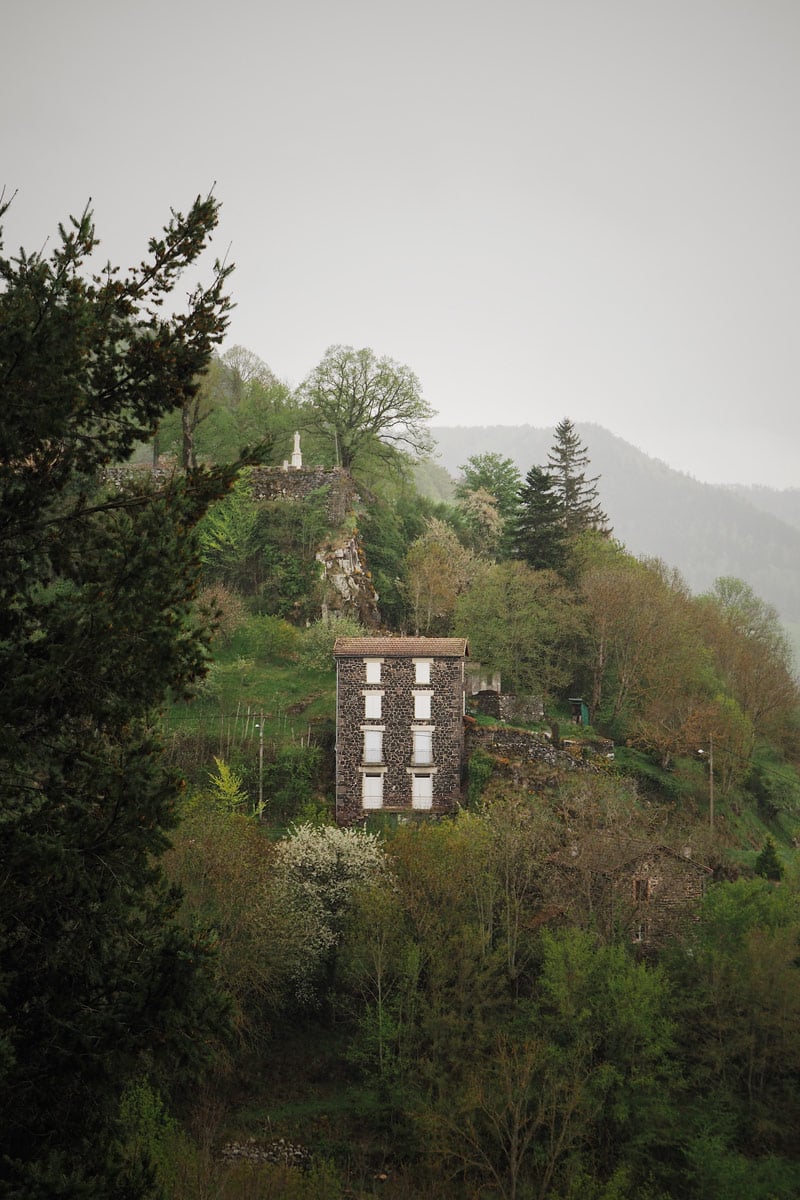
(319,871)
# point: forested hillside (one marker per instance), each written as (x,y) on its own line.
(207,988)
(704,530)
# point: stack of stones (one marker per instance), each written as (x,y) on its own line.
(280,1152)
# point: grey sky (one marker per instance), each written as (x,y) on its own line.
(568,207)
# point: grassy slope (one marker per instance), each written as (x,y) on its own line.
(248,680)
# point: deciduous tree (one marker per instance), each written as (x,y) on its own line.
(439,568)
(483,522)
(752,655)
(522,623)
(360,403)
(744,1001)
(498,477)
(318,871)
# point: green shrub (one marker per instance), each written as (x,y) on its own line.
(152,1139)
(289,782)
(266,637)
(316,649)
(775,785)
(479,771)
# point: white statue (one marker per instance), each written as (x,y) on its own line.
(297,457)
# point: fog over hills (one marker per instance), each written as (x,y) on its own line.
(705,530)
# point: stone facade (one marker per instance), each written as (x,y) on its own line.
(657,894)
(399,725)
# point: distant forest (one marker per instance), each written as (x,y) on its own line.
(704,530)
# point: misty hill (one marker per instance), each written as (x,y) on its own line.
(703,529)
(785,505)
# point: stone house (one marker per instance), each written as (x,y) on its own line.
(656,895)
(399,725)
(640,890)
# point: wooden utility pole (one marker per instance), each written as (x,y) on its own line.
(261,766)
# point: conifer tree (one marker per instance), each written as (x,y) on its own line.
(577,495)
(97,626)
(768,865)
(539,537)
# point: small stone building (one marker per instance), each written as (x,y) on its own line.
(640,890)
(399,725)
(656,895)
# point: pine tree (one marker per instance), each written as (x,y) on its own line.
(97,626)
(539,537)
(768,865)
(577,495)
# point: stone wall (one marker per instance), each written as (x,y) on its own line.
(522,744)
(268,483)
(273,483)
(479,679)
(122,476)
(504,707)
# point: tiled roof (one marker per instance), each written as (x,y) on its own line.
(400,647)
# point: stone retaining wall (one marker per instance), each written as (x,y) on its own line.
(273,483)
(503,707)
(522,744)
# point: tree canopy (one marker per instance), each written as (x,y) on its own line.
(488,496)
(360,403)
(97,626)
(496,475)
(522,622)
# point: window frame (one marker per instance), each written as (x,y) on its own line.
(372,744)
(423,668)
(376,800)
(373,669)
(642,889)
(419,734)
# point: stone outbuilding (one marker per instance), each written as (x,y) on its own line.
(657,894)
(399,725)
(640,890)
